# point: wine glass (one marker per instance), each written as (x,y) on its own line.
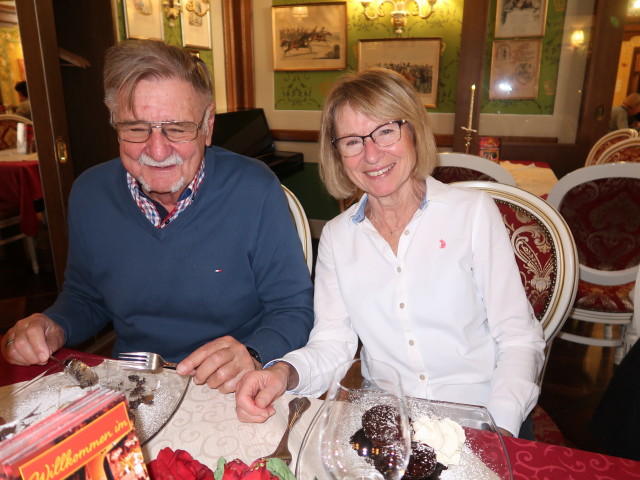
(380,449)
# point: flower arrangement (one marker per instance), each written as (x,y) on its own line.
(180,465)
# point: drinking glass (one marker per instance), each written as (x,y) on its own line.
(348,457)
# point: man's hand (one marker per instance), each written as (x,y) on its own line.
(32,340)
(257,391)
(220,364)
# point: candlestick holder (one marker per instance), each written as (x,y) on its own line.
(468,137)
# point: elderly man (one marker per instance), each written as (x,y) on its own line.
(189,251)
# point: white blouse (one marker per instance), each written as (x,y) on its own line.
(448,312)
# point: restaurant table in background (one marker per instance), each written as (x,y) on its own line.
(206,426)
(534,177)
(20,186)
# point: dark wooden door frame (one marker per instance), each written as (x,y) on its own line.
(42,65)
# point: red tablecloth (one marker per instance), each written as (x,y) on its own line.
(529,460)
(20,186)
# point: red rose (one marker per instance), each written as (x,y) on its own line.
(238,470)
(178,465)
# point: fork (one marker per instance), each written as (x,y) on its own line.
(297,407)
(145,361)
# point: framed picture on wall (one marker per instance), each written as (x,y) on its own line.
(515,69)
(520,18)
(418,59)
(310,36)
(196,24)
(143,19)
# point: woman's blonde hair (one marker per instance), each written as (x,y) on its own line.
(127,63)
(381,94)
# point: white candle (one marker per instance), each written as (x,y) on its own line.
(473,94)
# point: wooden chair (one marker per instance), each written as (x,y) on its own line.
(601,205)
(8,129)
(545,253)
(302,225)
(623,151)
(29,242)
(458,167)
(606,141)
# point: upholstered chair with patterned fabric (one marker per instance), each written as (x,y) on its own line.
(8,129)
(601,205)
(545,253)
(459,167)
(301,223)
(624,151)
(606,141)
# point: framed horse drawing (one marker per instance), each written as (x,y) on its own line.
(310,36)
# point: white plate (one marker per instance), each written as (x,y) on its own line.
(53,390)
(484,456)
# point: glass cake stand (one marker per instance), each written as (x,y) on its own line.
(484,456)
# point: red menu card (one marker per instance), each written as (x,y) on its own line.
(93,437)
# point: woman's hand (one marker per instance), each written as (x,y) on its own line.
(258,390)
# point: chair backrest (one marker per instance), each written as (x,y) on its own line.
(606,141)
(458,167)
(623,151)
(601,205)
(8,129)
(302,225)
(545,253)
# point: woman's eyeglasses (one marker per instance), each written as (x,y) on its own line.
(383,136)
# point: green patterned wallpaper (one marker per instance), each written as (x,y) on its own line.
(305,90)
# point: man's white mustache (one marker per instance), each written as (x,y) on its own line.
(173,159)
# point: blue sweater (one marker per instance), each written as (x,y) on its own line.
(230,264)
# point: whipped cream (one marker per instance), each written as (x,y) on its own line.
(445,436)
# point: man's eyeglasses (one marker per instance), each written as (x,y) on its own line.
(139,132)
(384,136)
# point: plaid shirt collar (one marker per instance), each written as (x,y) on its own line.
(149,208)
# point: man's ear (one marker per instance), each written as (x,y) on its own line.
(209,125)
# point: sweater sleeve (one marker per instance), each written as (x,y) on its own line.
(79,308)
(282,280)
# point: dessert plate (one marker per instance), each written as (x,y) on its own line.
(153,397)
(483,455)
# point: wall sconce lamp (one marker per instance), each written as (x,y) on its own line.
(171,10)
(200,8)
(300,12)
(577,38)
(399,12)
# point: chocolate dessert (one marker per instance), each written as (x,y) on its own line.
(81,373)
(380,426)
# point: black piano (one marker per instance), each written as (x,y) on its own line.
(247,132)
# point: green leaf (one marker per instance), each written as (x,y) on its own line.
(217,475)
(279,468)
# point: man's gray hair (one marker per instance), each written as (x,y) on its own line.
(129,62)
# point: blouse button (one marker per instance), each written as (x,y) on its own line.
(412,343)
(399,269)
(422,377)
(402,305)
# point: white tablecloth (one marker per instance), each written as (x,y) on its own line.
(533,179)
(12,155)
(207,427)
